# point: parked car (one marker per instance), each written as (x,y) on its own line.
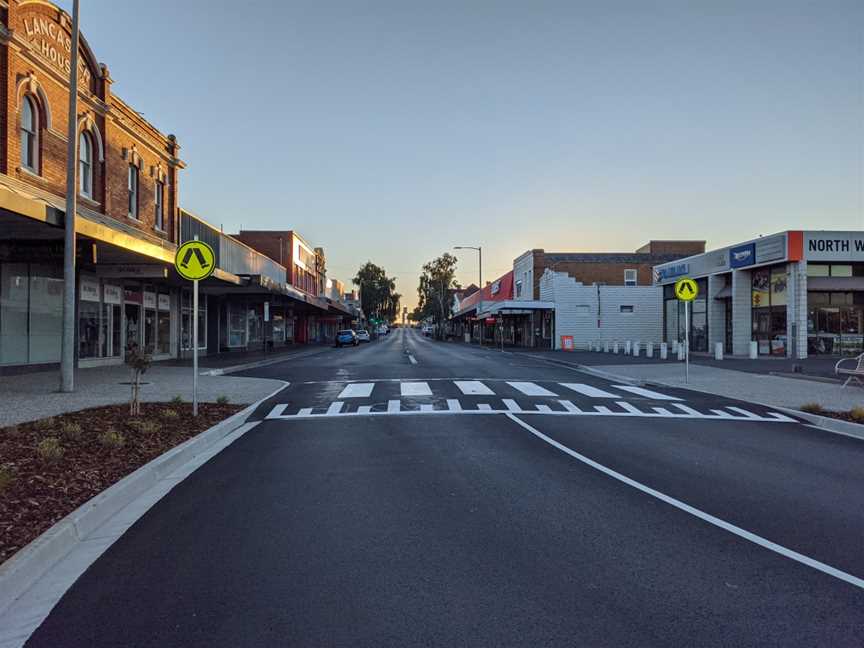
(363,336)
(346,337)
(427,330)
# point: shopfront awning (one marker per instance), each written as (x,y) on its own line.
(515,307)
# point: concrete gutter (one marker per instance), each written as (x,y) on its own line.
(36,577)
(223,371)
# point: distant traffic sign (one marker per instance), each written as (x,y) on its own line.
(195,260)
(686,289)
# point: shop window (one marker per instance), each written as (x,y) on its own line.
(626,309)
(85,165)
(14,307)
(818,270)
(186,320)
(132,186)
(158,206)
(630,277)
(841,270)
(29,134)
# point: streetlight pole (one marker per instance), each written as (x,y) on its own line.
(480,268)
(67,356)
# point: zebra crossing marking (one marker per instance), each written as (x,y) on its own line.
(415,389)
(647,393)
(335,408)
(588,390)
(473,388)
(531,389)
(570,407)
(511,405)
(393,406)
(357,390)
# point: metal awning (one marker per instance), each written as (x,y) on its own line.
(515,307)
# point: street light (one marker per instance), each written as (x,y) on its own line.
(480,268)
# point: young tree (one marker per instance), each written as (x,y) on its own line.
(139,361)
(436,282)
(377,292)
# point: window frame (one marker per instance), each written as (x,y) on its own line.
(635,274)
(132,198)
(85,138)
(33,136)
(159,205)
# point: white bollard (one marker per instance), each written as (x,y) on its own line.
(627,347)
(606,347)
(636,347)
(649,350)
(718,350)
(615,348)
(754,350)
(664,350)
(675,347)
(681,351)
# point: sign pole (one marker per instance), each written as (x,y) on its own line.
(195,348)
(686,341)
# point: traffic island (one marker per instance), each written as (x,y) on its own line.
(51,466)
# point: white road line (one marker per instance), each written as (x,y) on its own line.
(485,407)
(588,390)
(687,410)
(702,515)
(473,388)
(647,393)
(789,419)
(662,411)
(277,411)
(531,389)
(427,407)
(415,389)
(628,407)
(393,406)
(544,408)
(603,409)
(512,405)
(306,411)
(569,406)
(743,412)
(412,359)
(721,413)
(454,405)
(364,409)
(335,408)
(357,390)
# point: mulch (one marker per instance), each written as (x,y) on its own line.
(36,492)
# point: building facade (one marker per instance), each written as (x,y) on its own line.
(794,294)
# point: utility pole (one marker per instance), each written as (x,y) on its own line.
(480,268)
(67,356)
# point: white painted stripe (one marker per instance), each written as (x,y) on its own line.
(427,407)
(306,411)
(722,414)
(544,408)
(588,390)
(415,389)
(647,393)
(412,359)
(789,419)
(664,412)
(531,389)
(569,406)
(512,405)
(473,388)
(335,408)
(364,409)
(743,411)
(627,406)
(603,409)
(702,515)
(277,411)
(687,410)
(486,407)
(454,405)
(393,406)
(357,390)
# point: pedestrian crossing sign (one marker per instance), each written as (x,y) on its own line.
(195,260)
(686,289)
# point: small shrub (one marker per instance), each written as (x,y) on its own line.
(143,427)
(49,449)
(44,425)
(170,414)
(812,408)
(177,400)
(6,477)
(112,438)
(70,430)
(222,400)
(857,414)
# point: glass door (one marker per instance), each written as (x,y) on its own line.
(728,326)
(133,324)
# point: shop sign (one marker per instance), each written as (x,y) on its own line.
(489,320)
(132,295)
(133,271)
(742,256)
(89,289)
(676,270)
(149,299)
(771,248)
(164,302)
(266,311)
(113,294)
(496,287)
(54,44)
(834,246)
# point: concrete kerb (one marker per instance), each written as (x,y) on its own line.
(259,363)
(30,563)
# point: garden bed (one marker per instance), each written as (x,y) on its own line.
(855,415)
(50,467)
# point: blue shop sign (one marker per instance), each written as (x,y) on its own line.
(673,271)
(743,255)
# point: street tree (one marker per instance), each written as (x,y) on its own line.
(434,292)
(378,294)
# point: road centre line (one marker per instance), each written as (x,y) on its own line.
(702,515)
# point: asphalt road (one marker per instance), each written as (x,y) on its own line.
(415,493)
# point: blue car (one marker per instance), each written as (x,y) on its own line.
(346,337)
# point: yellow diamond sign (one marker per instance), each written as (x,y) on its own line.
(195,260)
(686,289)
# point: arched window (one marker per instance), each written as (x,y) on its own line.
(85,165)
(29,135)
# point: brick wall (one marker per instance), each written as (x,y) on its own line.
(35,64)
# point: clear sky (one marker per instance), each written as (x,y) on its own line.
(392,131)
